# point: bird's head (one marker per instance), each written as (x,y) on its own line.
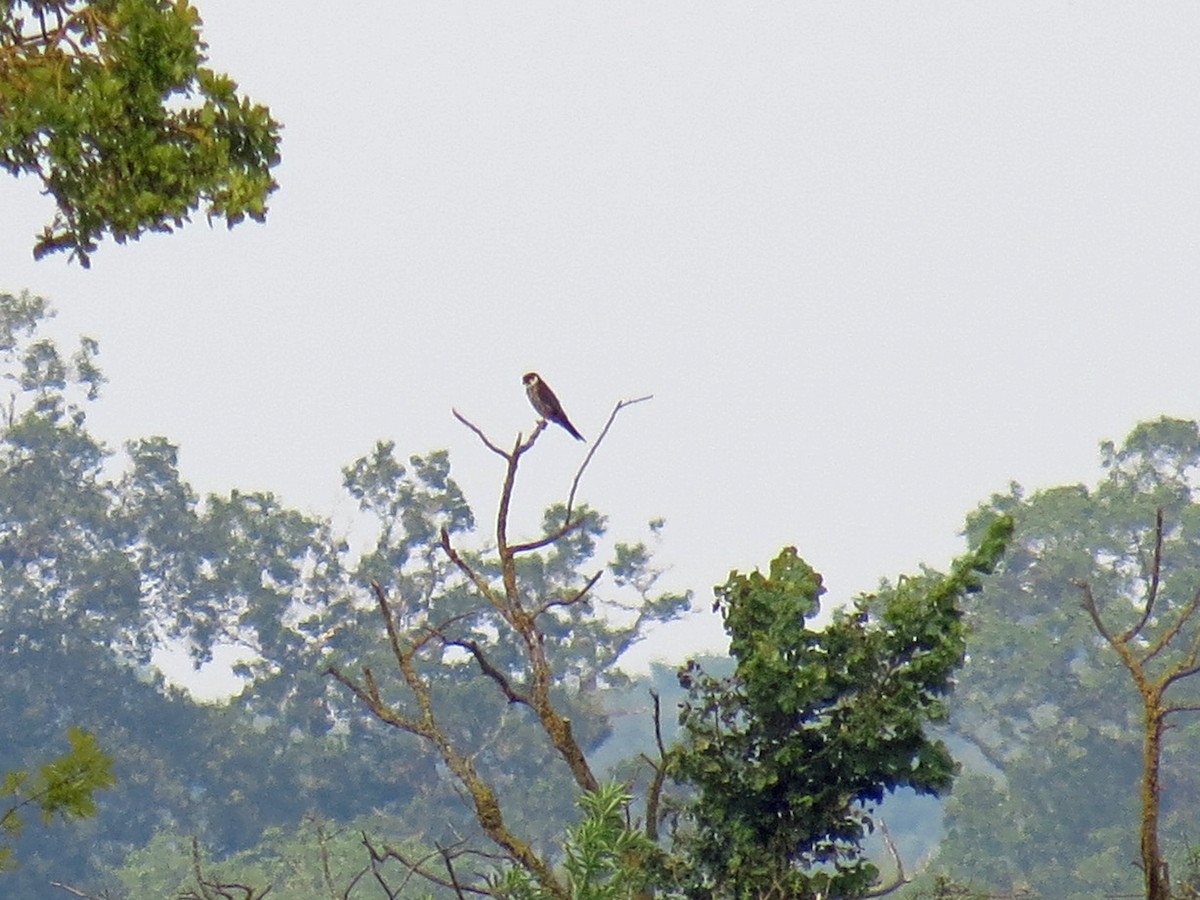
(530,379)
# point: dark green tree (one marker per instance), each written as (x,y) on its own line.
(109,104)
(789,755)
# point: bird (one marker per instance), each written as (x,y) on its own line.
(547,404)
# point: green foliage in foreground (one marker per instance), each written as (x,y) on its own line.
(789,754)
(63,788)
(603,858)
(110,105)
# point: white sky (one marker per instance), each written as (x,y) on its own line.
(873,260)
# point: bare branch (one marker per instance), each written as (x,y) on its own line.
(369,695)
(655,789)
(1154,711)
(326,872)
(480,583)
(1181,707)
(1183,618)
(548,539)
(1183,670)
(378,858)
(196,869)
(438,631)
(1155,572)
(490,670)
(388,622)
(901,879)
(210,890)
(73,891)
(658,737)
(1089,604)
(621,404)
(448,859)
(418,867)
(572,600)
(479,433)
(372,687)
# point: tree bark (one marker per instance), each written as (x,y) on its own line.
(1158,885)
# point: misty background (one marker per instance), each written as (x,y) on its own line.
(873,261)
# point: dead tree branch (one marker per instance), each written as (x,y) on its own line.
(660,769)
(479,434)
(573,599)
(419,867)
(1152,688)
(901,878)
(621,404)
(74,891)
(1155,571)
(218,890)
(506,688)
(530,683)
(548,539)
(424,724)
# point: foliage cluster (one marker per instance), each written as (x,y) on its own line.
(109,105)
(816,725)
(64,787)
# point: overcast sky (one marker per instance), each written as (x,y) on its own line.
(873,260)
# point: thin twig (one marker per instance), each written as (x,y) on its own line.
(479,433)
(1169,635)
(901,879)
(388,622)
(418,867)
(448,859)
(655,789)
(621,404)
(73,891)
(1155,571)
(485,666)
(480,583)
(572,600)
(548,539)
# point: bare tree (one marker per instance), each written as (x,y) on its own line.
(522,618)
(1139,652)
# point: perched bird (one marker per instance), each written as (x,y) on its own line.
(547,404)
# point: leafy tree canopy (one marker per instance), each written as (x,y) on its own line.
(109,104)
(791,752)
(1044,703)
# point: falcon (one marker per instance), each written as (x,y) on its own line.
(547,404)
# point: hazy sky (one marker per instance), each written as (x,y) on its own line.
(873,260)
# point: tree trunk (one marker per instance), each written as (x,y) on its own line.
(1158,886)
